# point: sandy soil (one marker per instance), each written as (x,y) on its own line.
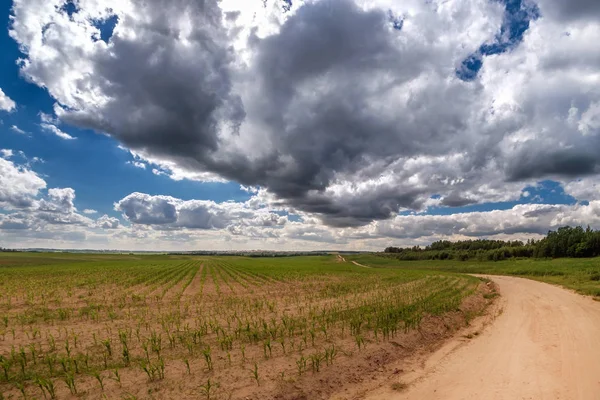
(544,344)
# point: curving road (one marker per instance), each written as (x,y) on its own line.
(544,345)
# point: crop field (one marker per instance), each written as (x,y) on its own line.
(143,327)
(580,274)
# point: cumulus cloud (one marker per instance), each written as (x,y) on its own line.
(19,186)
(59,208)
(60,200)
(6,103)
(349,110)
(53,219)
(166,212)
(170,168)
(48,119)
(148,210)
(33,213)
(106,222)
(527,219)
(6,153)
(171,216)
(55,130)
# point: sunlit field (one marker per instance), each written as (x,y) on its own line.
(140,326)
(580,274)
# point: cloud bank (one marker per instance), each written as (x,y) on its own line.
(348,113)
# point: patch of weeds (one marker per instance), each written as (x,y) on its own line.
(471,335)
(399,386)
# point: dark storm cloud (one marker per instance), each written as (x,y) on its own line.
(167,101)
(456,200)
(334,111)
(360,210)
(321,79)
(166,95)
(148,210)
(169,213)
(568,163)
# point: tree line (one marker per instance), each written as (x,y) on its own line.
(564,242)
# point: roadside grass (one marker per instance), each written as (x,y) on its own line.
(580,274)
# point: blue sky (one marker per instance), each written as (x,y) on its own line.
(351,167)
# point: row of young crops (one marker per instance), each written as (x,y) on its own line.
(121,326)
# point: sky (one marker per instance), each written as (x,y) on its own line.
(296,124)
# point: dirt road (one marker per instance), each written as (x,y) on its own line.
(360,265)
(545,344)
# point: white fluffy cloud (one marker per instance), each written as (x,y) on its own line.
(169,168)
(176,224)
(137,164)
(6,103)
(55,130)
(301,112)
(6,153)
(345,112)
(165,212)
(240,224)
(528,219)
(106,222)
(19,186)
(29,211)
(350,110)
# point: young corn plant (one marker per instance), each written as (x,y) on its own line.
(69,379)
(301,365)
(330,354)
(116,376)
(208,358)
(125,347)
(243,350)
(255,375)
(208,388)
(5,364)
(46,386)
(267,349)
(21,387)
(99,378)
(315,362)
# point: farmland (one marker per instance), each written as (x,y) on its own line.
(580,274)
(149,326)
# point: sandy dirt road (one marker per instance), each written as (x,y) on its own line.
(545,344)
(360,265)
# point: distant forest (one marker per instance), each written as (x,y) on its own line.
(564,242)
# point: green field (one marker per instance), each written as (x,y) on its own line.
(580,274)
(164,326)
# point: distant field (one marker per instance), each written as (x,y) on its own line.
(157,326)
(581,274)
